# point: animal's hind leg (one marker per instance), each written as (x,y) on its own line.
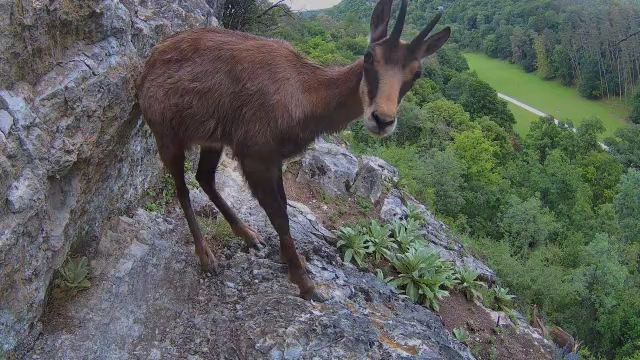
(206,176)
(174,161)
(265,181)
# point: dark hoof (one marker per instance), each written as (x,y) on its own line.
(314,295)
(210,268)
(250,237)
(208,263)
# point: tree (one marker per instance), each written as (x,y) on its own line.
(545,137)
(479,99)
(602,173)
(439,121)
(522,49)
(560,185)
(626,146)
(485,190)
(252,15)
(562,64)
(627,205)
(543,58)
(451,58)
(635,107)
(477,155)
(526,225)
(589,84)
(424,91)
(444,177)
(410,128)
(587,135)
(603,278)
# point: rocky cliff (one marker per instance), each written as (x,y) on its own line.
(72,152)
(150,300)
(75,160)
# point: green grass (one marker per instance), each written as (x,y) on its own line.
(551,97)
(524,119)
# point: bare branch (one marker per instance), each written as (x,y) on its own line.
(278,4)
(627,38)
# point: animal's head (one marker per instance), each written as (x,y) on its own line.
(391,66)
(577,346)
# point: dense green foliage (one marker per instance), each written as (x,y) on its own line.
(554,213)
(635,108)
(551,97)
(589,44)
(582,43)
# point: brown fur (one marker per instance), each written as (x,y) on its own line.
(214,86)
(561,338)
(217,88)
(564,340)
(537,322)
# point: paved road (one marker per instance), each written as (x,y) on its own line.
(521,104)
(537,112)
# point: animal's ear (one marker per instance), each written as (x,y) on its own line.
(435,42)
(380,21)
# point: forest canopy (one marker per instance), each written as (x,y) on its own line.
(554,212)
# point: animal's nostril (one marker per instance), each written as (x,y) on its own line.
(380,121)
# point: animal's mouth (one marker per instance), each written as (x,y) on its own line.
(381,122)
(379,127)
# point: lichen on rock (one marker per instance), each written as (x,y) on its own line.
(72,150)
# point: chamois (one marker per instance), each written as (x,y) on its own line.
(561,338)
(564,340)
(537,322)
(260,98)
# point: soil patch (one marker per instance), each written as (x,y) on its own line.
(486,341)
(332,212)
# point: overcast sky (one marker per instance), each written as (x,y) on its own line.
(311,4)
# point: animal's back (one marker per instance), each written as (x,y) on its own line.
(203,86)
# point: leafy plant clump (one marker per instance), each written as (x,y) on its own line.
(412,269)
(461,335)
(354,244)
(74,275)
(501,300)
(381,244)
(406,234)
(422,276)
(469,285)
(414,214)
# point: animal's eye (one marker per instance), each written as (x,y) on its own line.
(417,75)
(368,57)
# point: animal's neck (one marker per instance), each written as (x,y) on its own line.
(337,97)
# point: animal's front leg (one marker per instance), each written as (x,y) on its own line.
(265,180)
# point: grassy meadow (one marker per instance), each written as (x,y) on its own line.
(548,96)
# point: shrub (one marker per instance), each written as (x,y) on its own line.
(380,242)
(468,285)
(75,274)
(354,244)
(461,335)
(422,275)
(502,300)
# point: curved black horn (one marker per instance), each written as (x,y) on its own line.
(415,43)
(399,25)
